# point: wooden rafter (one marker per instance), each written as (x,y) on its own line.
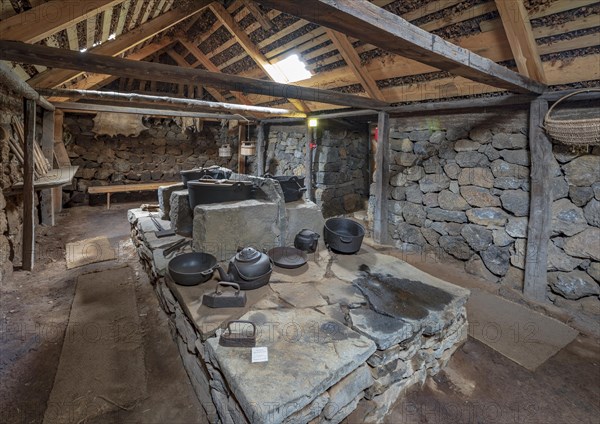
(34,25)
(260,17)
(205,61)
(244,40)
(369,23)
(90,62)
(352,59)
(520,37)
(121,44)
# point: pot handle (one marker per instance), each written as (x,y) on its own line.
(208,272)
(345,239)
(247,278)
(302,190)
(206,177)
(236,286)
(267,175)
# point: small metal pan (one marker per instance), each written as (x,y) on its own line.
(287,257)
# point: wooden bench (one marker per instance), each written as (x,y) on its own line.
(124,188)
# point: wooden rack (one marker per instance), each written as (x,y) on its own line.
(41,164)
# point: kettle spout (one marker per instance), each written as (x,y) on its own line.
(223,276)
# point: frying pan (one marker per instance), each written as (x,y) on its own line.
(287,257)
(190,269)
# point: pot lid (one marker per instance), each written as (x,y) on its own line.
(307,233)
(247,254)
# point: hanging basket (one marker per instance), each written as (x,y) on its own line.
(573,132)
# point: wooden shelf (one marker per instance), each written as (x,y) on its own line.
(54,178)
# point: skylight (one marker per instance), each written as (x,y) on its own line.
(291,69)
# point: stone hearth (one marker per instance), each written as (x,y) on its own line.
(337,346)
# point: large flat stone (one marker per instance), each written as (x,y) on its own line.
(221,228)
(300,215)
(347,389)
(164,198)
(342,292)
(384,330)
(180,213)
(308,353)
(304,295)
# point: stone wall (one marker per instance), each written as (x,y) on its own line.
(11,205)
(157,154)
(460,185)
(341,163)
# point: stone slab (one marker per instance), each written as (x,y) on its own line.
(339,291)
(221,228)
(334,312)
(300,295)
(301,215)
(164,198)
(308,353)
(348,388)
(208,320)
(385,331)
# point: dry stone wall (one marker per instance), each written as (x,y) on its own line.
(341,164)
(460,185)
(157,154)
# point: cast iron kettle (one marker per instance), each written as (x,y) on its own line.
(306,240)
(249,268)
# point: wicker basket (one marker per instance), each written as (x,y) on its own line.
(573,132)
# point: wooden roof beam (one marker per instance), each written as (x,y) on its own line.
(252,50)
(260,17)
(346,49)
(520,37)
(374,25)
(90,62)
(49,18)
(55,77)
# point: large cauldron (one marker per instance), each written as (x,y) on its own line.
(343,235)
(203,192)
(292,187)
(214,172)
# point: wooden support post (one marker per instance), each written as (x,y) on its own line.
(28,191)
(308,162)
(47,203)
(260,150)
(540,216)
(382,179)
(241,159)
(62,159)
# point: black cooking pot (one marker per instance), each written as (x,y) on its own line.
(203,191)
(249,268)
(343,235)
(292,187)
(306,240)
(214,172)
(190,269)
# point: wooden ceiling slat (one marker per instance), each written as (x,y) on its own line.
(34,25)
(136,14)
(106,21)
(123,16)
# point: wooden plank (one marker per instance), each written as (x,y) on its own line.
(520,37)
(47,201)
(60,156)
(90,62)
(159,8)
(352,59)
(123,16)
(123,188)
(540,217)
(106,20)
(56,77)
(260,17)
(28,191)
(260,149)
(137,8)
(253,51)
(146,12)
(49,18)
(382,179)
(90,32)
(241,168)
(361,19)
(205,61)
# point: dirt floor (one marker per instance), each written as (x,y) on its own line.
(478,386)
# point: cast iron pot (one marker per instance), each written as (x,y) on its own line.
(343,235)
(306,240)
(249,268)
(292,187)
(215,172)
(203,192)
(190,269)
